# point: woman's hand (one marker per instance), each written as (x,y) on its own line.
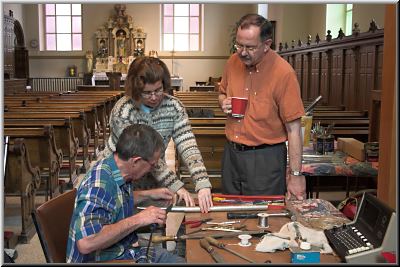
(205,200)
(185,195)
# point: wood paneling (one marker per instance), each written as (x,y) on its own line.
(305,85)
(347,72)
(325,75)
(315,75)
(337,69)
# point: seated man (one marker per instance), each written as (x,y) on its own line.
(103,224)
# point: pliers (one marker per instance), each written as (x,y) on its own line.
(196,223)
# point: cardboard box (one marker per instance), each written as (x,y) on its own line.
(352,147)
(298,255)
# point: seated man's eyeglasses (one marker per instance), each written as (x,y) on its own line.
(151,163)
(240,47)
(157,92)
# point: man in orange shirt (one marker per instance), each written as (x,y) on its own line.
(255,156)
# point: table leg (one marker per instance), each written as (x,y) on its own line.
(309,186)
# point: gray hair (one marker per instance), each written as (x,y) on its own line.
(139,140)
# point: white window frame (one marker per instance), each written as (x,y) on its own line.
(349,19)
(42,8)
(200,30)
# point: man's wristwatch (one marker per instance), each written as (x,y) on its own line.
(296,173)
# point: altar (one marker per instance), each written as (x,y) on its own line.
(118,43)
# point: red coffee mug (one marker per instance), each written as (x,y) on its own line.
(239,105)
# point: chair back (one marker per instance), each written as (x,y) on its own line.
(52,221)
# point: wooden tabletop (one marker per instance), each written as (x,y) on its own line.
(196,254)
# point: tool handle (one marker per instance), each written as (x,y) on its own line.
(190,222)
(235,215)
(195,224)
(214,242)
(160,239)
(204,244)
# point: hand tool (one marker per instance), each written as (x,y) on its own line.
(310,108)
(227,229)
(248,202)
(216,257)
(298,237)
(160,239)
(222,223)
(238,215)
(221,245)
(220,228)
(153,227)
(196,223)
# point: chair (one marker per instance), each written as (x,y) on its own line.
(52,221)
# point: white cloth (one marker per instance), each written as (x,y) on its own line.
(286,238)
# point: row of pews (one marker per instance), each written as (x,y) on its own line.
(210,130)
(52,138)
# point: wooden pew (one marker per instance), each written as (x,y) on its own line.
(203,88)
(198,93)
(65,140)
(91,116)
(79,124)
(43,153)
(340,114)
(104,101)
(344,127)
(22,179)
(210,141)
(100,116)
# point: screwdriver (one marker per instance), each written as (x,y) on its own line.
(217,244)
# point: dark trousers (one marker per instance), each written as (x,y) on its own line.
(254,172)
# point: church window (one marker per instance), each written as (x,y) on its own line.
(63,27)
(181,27)
(339,16)
(349,19)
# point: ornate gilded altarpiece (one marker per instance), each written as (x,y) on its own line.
(118,42)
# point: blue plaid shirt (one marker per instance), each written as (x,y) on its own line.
(102,198)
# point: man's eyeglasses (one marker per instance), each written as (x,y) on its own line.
(149,94)
(152,164)
(250,49)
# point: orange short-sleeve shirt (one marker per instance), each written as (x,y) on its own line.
(274,98)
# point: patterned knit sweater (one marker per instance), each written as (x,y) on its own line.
(170,120)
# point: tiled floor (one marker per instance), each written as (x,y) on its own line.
(32,253)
